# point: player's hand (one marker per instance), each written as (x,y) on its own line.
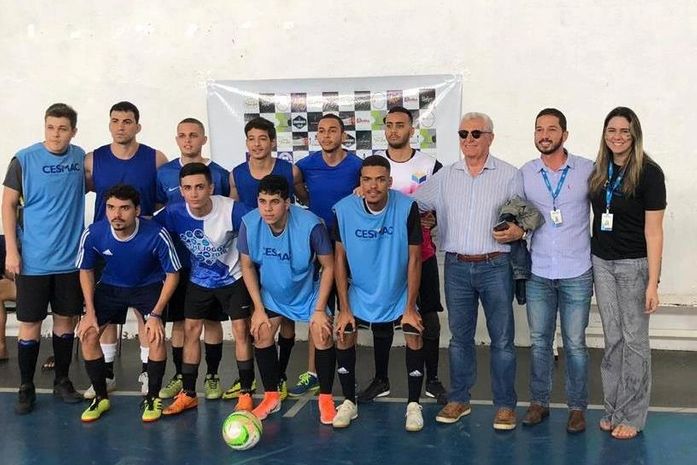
(345,319)
(412,318)
(323,322)
(87,322)
(428,220)
(258,321)
(155,330)
(651,299)
(513,233)
(358,191)
(13,264)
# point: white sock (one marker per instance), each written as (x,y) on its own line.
(109,351)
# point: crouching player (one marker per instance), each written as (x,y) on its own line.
(139,255)
(378,240)
(282,241)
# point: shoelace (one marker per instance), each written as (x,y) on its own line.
(305,379)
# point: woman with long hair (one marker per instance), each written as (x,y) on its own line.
(628,197)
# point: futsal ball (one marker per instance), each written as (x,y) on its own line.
(242,430)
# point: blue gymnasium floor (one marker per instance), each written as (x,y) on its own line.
(53,434)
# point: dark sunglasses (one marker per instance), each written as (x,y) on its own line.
(463,133)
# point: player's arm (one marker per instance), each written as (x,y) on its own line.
(89,172)
(411,315)
(233,188)
(154,327)
(10,204)
(89,320)
(322,247)
(299,186)
(160,159)
(341,277)
(251,281)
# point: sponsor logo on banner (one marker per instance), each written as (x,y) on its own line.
(284,140)
(378,100)
(298,102)
(266,103)
(379,140)
(251,104)
(426,97)
(361,100)
(411,99)
(427,118)
(350,141)
(282,103)
(299,122)
(331,101)
(394,98)
(285,155)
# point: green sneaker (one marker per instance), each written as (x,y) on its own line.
(283,389)
(173,387)
(212,387)
(234,391)
(307,382)
(152,409)
(95,410)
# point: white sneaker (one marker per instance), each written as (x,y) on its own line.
(344,414)
(415,420)
(143,379)
(110,387)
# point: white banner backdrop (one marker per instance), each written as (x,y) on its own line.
(295,106)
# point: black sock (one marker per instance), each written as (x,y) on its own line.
(156,370)
(143,367)
(109,366)
(214,354)
(246,370)
(431,354)
(285,347)
(27,355)
(381,351)
(62,351)
(325,361)
(415,373)
(267,361)
(177,359)
(189,375)
(97,373)
(346,367)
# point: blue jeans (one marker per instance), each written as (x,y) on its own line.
(572,297)
(465,284)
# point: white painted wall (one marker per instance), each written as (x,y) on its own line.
(584,57)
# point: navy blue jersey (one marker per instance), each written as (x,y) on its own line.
(248,187)
(168,181)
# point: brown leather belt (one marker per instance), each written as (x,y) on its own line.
(478,258)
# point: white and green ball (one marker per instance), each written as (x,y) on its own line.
(242,430)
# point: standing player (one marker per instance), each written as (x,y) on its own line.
(260,136)
(278,245)
(330,175)
(378,242)
(191,137)
(137,255)
(409,169)
(208,224)
(125,161)
(49,178)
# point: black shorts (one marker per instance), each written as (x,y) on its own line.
(176,305)
(218,304)
(429,290)
(35,293)
(111,302)
(386,327)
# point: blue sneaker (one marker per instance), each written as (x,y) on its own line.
(307,382)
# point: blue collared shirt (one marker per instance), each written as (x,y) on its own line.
(468,206)
(560,251)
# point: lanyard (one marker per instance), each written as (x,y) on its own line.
(611,189)
(556,191)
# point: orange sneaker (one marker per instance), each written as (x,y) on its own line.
(327,410)
(270,404)
(181,402)
(244,402)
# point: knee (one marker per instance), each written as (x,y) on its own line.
(240,329)
(413,342)
(192,329)
(90,339)
(320,338)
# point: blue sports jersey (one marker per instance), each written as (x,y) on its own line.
(140,171)
(289,284)
(53,190)
(139,260)
(248,186)
(210,240)
(377,250)
(168,181)
(329,184)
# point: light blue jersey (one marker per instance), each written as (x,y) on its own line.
(53,189)
(210,240)
(289,283)
(377,250)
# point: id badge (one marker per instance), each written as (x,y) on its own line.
(606,222)
(556,217)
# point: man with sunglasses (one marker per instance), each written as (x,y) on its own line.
(466,197)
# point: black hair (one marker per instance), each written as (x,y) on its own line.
(123,192)
(194,121)
(376,160)
(191,169)
(273,184)
(399,109)
(262,124)
(126,107)
(335,117)
(61,110)
(553,112)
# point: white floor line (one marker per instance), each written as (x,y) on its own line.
(301,402)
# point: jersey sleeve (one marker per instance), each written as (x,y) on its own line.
(239,209)
(655,189)
(13,177)
(414,226)
(167,253)
(319,240)
(335,234)
(242,245)
(86,254)
(437,166)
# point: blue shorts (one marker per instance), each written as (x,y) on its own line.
(112,302)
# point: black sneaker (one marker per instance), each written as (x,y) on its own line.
(26,399)
(64,389)
(435,390)
(377,388)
